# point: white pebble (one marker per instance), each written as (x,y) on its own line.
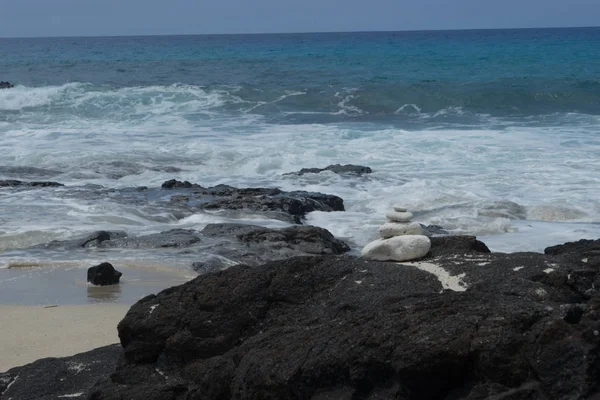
(398,248)
(396,216)
(391,229)
(399,208)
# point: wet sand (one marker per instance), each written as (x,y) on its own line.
(51,311)
(61,285)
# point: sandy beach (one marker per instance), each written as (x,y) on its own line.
(53,312)
(28,333)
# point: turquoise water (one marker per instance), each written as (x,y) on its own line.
(494,133)
(508,73)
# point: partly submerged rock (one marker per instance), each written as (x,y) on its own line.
(175,184)
(6,85)
(253,245)
(218,246)
(397,248)
(27,172)
(271,202)
(120,240)
(16,183)
(336,168)
(60,378)
(94,239)
(103,275)
(174,238)
(294,204)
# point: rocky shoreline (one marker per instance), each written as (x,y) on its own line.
(292,313)
(516,326)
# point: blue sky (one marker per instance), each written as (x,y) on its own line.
(156,17)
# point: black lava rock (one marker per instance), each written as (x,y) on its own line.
(15,183)
(522,326)
(255,245)
(339,327)
(103,274)
(348,169)
(59,378)
(175,184)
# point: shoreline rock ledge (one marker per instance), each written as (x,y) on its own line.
(341,327)
(401,239)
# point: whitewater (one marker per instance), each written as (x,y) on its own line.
(520,180)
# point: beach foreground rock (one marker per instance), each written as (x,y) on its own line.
(59,378)
(461,324)
(522,326)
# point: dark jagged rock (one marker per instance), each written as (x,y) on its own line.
(171,238)
(253,245)
(15,183)
(459,245)
(120,239)
(581,252)
(6,85)
(94,239)
(97,238)
(57,378)
(183,199)
(212,263)
(581,247)
(228,191)
(348,169)
(103,275)
(433,230)
(296,204)
(175,184)
(523,326)
(218,246)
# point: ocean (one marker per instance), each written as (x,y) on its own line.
(494,133)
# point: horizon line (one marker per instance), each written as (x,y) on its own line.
(302,33)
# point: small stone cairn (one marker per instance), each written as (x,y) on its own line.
(401,239)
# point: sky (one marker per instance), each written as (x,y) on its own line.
(40,18)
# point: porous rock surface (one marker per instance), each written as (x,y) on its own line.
(338,327)
(59,378)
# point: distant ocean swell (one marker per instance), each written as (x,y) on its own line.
(371,102)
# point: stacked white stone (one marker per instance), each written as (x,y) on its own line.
(401,239)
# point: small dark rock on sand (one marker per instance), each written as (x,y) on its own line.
(103,274)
